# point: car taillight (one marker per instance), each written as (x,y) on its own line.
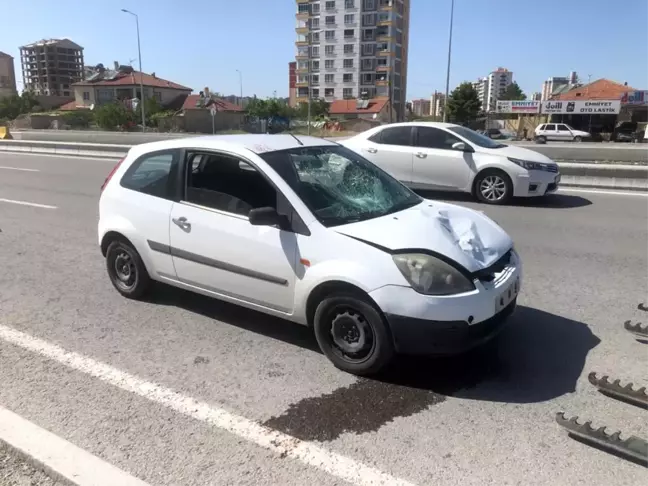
(112,172)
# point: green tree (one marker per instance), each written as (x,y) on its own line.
(112,116)
(319,109)
(513,92)
(15,105)
(268,108)
(463,104)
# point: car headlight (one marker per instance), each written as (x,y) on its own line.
(528,165)
(430,275)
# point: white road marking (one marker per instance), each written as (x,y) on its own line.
(284,445)
(602,191)
(63,460)
(68,157)
(25,203)
(19,168)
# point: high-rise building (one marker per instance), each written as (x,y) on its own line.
(350,48)
(292,80)
(51,66)
(7,75)
(490,88)
(437,104)
(558,84)
(421,107)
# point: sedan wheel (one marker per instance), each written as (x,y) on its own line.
(493,187)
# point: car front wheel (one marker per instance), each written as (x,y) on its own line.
(352,333)
(578,139)
(126,270)
(493,187)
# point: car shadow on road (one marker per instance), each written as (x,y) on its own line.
(538,357)
(250,320)
(552,201)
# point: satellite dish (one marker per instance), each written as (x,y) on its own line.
(92,107)
(375,115)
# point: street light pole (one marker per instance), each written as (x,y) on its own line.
(240,85)
(139,54)
(447,90)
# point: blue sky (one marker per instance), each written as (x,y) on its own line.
(202,42)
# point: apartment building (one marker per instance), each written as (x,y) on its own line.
(491,87)
(437,104)
(7,75)
(349,48)
(51,66)
(558,84)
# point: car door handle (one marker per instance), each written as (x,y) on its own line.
(372,150)
(182,223)
(421,155)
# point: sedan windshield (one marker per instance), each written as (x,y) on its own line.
(338,185)
(476,138)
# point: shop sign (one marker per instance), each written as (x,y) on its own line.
(635,98)
(594,107)
(518,107)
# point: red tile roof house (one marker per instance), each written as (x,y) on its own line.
(601,89)
(111,86)
(197,114)
(376,109)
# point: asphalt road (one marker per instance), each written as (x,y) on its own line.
(482,419)
(583,152)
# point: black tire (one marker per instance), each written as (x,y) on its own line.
(541,139)
(345,318)
(578,139)
(126,270)
(501,187)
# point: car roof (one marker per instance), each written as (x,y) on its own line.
(422,124)
(257,143)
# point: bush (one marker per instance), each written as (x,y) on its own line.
(113,116)
(78,118)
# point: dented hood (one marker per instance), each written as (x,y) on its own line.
(466,236)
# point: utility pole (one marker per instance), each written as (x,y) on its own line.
(447,90)
(240,86)
(139,53)
(308,75)
(589,80)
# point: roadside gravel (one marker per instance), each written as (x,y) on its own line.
(14,471)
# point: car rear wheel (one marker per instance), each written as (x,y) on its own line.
(126,270)
(493,187)
(578,139)
(541,139)
(352,333)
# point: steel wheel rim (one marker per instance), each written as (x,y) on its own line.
(125,270)
(351,336)
(493,188)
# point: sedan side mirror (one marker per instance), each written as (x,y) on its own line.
(462,147)
(268,216)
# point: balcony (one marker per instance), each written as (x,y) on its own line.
(384,38)
(302,1)
(302,70)
(382,82)
(385,6)
(302,15)
(301,55)
(383,69)
(301,84)
(302,30)
(385,53)
(301,42)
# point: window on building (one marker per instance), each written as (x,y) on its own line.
(152,174)
(368,49)
(315,93)
(315,51)
(329,20)
(347,77)
(315,66)
(329,35)
(349,3)
(315,79)
(314,23)
(330,5)
(369,20)
(86,96)
(369,4)
(367,64)
(329,64)
(368,34)
(158,96)
(349,18)
(329,50)
(349,33)
(226,183)
(367,78)
(347,63)
(303,8)
(315,37)
(329,92)
(329,78)
(347,93)
(348,48)
(315,7)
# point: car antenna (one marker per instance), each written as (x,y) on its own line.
(298,141)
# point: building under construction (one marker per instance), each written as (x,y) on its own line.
(51,66)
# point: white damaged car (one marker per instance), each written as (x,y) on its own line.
(309,231)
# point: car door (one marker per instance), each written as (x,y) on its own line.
(564,133)
(391,150)
(213,244)
(436,164)
(551,132)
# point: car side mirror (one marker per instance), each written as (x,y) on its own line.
(268,216)
(462,147)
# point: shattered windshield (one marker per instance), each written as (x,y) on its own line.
(339,186)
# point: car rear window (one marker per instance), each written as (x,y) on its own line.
(152,174)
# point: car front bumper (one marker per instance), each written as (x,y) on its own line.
(445,325)
(536,183)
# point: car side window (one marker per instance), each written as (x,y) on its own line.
(393,136)
(550,127)
(563,128)
(435,138)
(226,183)
(152,174)
(542,127)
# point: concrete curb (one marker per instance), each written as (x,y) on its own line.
(608,176)
(56,457)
